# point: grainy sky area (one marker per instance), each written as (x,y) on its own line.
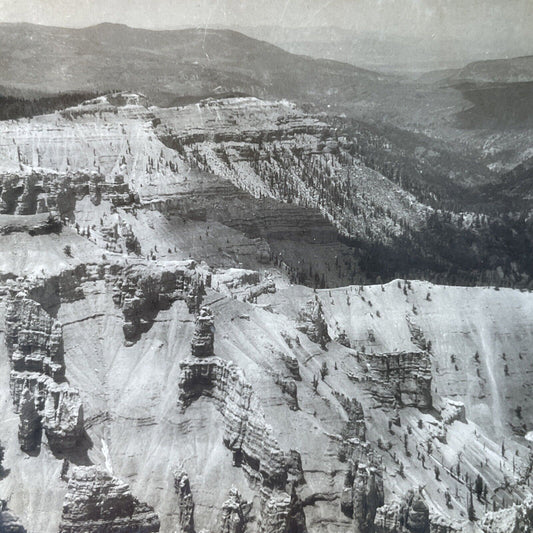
(482,20)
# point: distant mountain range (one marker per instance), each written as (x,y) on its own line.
(376,50)
(163,64)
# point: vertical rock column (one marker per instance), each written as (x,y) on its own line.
(40,394)
(203,340)
(185,501)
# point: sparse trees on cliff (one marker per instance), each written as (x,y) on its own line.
(470,508)
(324,370)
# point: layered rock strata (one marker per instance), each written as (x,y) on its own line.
(402,378)
(411,515)
(246,432)
(202,344)
(40,394)
(142,291)
(282,512)
(96,501)
(54,192)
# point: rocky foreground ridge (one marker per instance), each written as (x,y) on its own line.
(146,388)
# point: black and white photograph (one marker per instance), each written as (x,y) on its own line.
(266,266)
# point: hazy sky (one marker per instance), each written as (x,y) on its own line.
(462,19)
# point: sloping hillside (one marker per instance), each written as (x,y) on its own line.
(139,429)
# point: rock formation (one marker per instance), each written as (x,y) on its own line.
(363,488)
(282,512)
(62,417)
(411,515)
(40,395)
(514,519)
(402,377)
(355,426)
(29,433)
(97,501)
(311,322)
(202,344)
(9,523)
(290,390)
(41,191)
(234,514)
(246,433)
(452,411)
(182,487)
(141,292)
(291,364)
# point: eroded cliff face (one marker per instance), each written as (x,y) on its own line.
(374,458)
(403,378)
(411,515)
(40,395)
(98,501)
(142,292)
(246,434)
(304,410)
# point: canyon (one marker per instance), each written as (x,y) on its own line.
(185,347)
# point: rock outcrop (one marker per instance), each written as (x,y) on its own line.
(363,488)
(246,432)
(98,501)
(311,322)
(514,519)
(40,394)
(202,344)
(282,512)
(355,426)
(401,377)
(38,191)
(182,487)
(453,411)
(29,433)
(9,523)
(142,291)
(291,364)
(234,514)
(411,515)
